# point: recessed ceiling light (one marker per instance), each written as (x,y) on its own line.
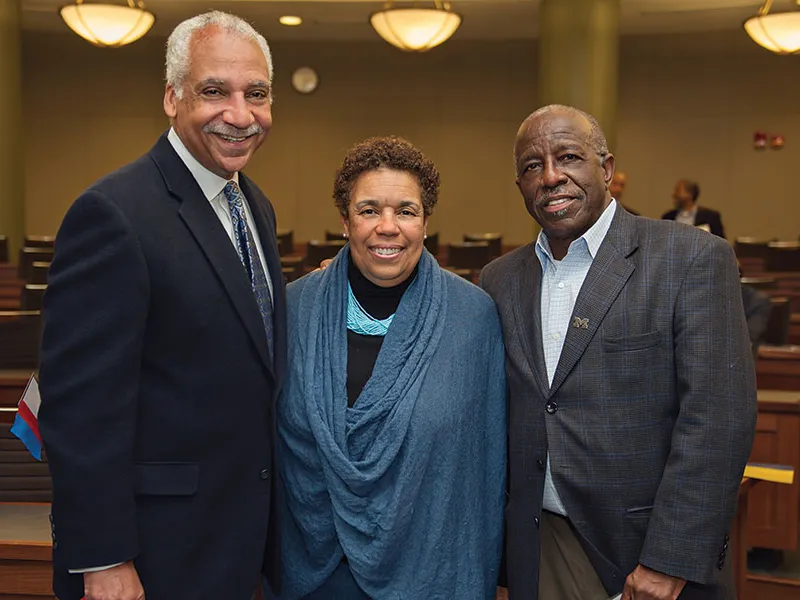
(290,20)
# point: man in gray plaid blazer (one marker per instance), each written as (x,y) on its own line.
(632,388)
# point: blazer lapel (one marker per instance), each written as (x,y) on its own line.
(527,302)
(608,274)
(204,224)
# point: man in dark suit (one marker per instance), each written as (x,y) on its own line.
(632,388)
(687,210)
(164,347)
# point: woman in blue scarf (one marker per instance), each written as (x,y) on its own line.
(392,423)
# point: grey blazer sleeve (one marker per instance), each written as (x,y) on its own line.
(713,431)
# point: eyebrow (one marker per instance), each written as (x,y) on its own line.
(570,146)
(258,83)
(563,147)
(211,81)
(403,204)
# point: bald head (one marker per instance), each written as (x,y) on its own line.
(563,171)
(596,137)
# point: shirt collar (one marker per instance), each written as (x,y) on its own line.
(592,238)
(210,183)
(689,213)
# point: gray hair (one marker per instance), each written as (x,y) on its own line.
(597,139)
(179,42)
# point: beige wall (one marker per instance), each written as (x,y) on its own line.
(688,108)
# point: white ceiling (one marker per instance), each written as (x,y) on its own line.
(483,19)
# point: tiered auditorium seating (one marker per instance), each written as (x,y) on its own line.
(495,241)
(30,255)
(22,477)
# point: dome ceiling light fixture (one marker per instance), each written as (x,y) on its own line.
(108,25)
(291,20)
(415,28)
(778,32)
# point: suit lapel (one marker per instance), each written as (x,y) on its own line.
(608,274)
(204,225)
(527,302)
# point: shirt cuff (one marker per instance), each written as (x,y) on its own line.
(93,569)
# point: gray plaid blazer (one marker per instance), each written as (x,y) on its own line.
(651,414)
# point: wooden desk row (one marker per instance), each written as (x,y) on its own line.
(774,508)
(778,368)
(12,385)
(25,552)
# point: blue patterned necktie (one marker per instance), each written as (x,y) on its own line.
(248,253)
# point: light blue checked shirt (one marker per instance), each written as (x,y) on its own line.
(561,283)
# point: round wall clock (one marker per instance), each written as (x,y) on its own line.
(305,80)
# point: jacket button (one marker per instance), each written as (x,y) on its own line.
(551,407)
(265,474)
(721,564)
(540,463)
(536,521)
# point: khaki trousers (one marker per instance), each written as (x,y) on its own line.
(565,572)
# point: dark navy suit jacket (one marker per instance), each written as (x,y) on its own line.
(704,216)
(158,389)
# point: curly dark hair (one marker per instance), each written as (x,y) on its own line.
(385,153)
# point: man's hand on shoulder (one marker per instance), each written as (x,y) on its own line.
(117,583)
(646,584)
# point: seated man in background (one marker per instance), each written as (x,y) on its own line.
(687,210)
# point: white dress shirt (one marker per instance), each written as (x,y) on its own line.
(687,217)
(212,185)
(561,282)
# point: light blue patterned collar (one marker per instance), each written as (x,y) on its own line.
(593,237)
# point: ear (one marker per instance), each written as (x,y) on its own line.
(170,102)
(608,166)
(346,226)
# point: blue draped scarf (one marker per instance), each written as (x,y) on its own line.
(408,483)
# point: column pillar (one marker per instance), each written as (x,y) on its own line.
(12,151)
(579,58)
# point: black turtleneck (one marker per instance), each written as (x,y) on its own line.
(362,350)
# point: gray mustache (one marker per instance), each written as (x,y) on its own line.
(552,193)
(228,130)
